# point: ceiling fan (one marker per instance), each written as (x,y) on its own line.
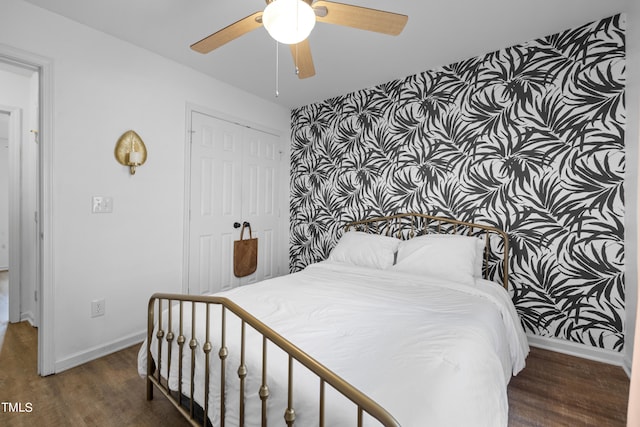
(291,21)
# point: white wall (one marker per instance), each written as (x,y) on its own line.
(103,87)
(4,190)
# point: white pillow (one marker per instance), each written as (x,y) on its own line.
(453,258)
(365,250)
(480,245)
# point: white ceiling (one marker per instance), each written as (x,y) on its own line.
(439,32)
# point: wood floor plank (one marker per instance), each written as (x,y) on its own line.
(104,392)
(553,390)
(560,390)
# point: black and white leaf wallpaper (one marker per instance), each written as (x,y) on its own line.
(529,139)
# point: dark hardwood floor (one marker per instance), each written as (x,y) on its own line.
(553,390)
(104,392)
(560,390)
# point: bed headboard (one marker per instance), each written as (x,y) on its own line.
(407,225)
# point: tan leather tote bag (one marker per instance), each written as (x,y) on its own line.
(245,254)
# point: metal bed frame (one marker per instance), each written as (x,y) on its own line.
(403,226)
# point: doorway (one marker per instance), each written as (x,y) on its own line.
(4,194)
(18,102)
(4,224)
(30,189)
(19,93)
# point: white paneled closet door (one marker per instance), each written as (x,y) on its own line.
(233,178)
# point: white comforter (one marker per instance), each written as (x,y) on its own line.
(431,352)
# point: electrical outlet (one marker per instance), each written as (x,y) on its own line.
(97,308)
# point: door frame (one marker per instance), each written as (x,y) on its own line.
(45,236)
(195,108)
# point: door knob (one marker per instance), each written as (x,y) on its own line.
(236,225)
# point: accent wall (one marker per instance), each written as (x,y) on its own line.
(529,139)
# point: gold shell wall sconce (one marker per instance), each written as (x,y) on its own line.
(131,151)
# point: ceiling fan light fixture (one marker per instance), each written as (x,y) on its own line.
(289,21)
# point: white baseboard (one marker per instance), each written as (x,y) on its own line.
(626,365)
(576,349)
(29,317)
(98,351)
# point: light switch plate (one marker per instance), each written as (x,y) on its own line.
(101,204)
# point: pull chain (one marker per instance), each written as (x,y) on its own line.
(297,30)
(295,59)
(277,70)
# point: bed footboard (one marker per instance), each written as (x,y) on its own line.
(172,322)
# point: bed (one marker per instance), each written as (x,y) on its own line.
(398,327)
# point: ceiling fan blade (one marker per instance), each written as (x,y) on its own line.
(360,17)
(302,59)
(231,32)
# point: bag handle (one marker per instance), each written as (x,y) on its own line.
(245,224)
